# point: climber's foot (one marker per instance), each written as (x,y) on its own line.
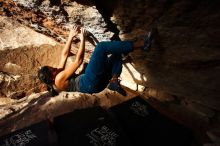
(115,86)
(148,39)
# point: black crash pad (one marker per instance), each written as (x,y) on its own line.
(145,126)
(39,134)
(89,127)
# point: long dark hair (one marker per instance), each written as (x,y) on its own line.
(45,76)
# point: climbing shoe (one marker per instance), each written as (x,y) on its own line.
(148,39)
(115,86)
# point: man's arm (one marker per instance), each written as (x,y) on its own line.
(66,49)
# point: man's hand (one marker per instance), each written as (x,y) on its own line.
(74,32)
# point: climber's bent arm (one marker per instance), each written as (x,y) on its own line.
(66,49)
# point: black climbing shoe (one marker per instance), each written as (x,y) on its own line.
(115,86)
(148,39)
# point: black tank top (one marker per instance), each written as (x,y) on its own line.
(73,84)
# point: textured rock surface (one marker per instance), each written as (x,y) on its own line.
(184,59)
(14,35)
(54,18)
(182,64)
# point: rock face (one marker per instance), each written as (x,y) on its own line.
(20,36)
(55,18)
(183,61)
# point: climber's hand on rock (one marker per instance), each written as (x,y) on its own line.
(83,33)
(74,31)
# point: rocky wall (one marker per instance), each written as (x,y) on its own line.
(183,62)
(184,58)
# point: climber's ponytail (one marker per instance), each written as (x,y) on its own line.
(52,90)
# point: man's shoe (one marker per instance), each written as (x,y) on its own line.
(115,86)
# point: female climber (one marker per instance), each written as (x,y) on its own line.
(102,71)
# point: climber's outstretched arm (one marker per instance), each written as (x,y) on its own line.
(66,49)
